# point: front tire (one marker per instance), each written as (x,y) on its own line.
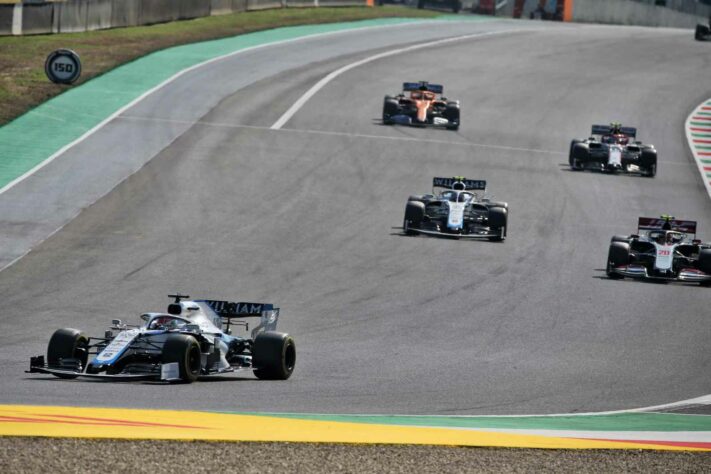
(67,344)
(498,222)
(185,351)
(648,162)
(578,154)
(414,215)
(705,261)
(451,113)
(391,107)
(618,255)
(274,355)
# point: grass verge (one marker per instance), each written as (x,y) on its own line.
(23,84)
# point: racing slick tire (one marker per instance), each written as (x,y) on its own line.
(390,107)
(414,215)
(648,162)
(184,350)
(705,263)
(498,223)
(451,113)
(619,254)
(67,344)
(701,32)
(505,205)
(274,353)
(578,155)
(620,238)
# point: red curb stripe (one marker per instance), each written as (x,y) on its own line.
(79,420)
(133,423)
(704,153)
(701,118)
(698,129)
(705,108)
(707,168)
(698,140)
(680,444)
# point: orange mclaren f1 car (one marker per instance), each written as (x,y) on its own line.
(424,107)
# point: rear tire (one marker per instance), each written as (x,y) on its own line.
(618,255)
(67,344)
(184,350)
(701,32)
(274,353)
(414,215)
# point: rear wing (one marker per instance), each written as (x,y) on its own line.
(228,310)
(469,184)
(607,130)
(422,86)
(657,223)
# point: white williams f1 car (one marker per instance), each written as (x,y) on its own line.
(455,209)
(664,252)
(193,339)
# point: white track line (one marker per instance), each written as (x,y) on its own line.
(347,134)
(704,400)
(108,119)
(320,84)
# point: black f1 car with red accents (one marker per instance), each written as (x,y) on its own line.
(662,249)
(192,339)
(613,148)
(425,106)
(455,209)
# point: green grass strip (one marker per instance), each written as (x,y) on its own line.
(617,422)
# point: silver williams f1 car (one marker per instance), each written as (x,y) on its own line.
(613,149)
(663,249)
(455,209)
(422,107)
(192,339)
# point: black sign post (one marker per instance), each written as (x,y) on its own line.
(63,66)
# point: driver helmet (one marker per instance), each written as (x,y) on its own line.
(164,322)
(450,196)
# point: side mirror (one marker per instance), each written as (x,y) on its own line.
(145,317)
(116,322)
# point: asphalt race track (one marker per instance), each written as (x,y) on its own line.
(310,217)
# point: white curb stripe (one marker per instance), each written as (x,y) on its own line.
(702,156)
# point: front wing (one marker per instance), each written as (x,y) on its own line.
(689,275)
(168,372)
(456,236)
